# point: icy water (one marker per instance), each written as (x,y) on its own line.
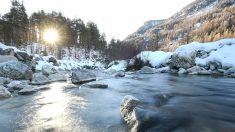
(208,103)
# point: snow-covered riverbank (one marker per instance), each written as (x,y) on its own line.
(212,58)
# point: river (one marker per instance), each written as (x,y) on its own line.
(208,101)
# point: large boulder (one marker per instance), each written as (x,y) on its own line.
(82,76)
(5,58)
(127,106)
(39,79)
(141,118)
(4,93)
(48,69)
(147,70)
(15,70)
(181,61)
(23,56)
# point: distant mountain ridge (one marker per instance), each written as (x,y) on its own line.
(202,20)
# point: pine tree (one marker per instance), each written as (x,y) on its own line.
(16,24)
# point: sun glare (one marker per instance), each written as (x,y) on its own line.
(50,36)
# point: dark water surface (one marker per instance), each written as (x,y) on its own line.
(207,102)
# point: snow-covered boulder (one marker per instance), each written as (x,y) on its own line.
(4,80)
(221,58)
(179,60)
(15,70)
(163,70)
(120,74)
(147,70)
(17,85)
(155,59)
(182,71)
(4,93)
(5,58)
(117,65)
(48,69)
(39,79)
(7,51)
(127,110)
(82,76)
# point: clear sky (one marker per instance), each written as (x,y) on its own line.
(117,18)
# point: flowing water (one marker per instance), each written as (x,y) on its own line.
(208,101)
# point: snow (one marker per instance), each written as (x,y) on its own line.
(189,49)
(120,66)
(3,46)
(156,58)
(197,25)
(224,55)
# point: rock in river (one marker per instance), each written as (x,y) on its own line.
(97,85)
(32,89)
(82,76)
(4,93)
(120,74)
(141,118)
(147,70)
(39,79)
(15,70)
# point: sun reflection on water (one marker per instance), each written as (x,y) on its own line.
(54,113)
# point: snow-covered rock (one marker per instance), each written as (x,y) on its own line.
(117,66)
(224,55)
(156,59)
(4,80)
(17,85)
(120,74)
(4,93)
(39,79)
(48,69)
(147,70)
(163,70)
(5,58)
(127,110)
(15,70)
(182,71)
(82,76)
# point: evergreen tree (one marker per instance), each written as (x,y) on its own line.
(16,24)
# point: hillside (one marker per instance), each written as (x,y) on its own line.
(202,21)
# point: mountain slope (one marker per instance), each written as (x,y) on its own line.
(202,20)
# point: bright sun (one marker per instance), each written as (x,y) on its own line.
(50,36)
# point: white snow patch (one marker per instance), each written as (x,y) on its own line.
(189,49)
(3,46)
(224,55)
(156,58)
